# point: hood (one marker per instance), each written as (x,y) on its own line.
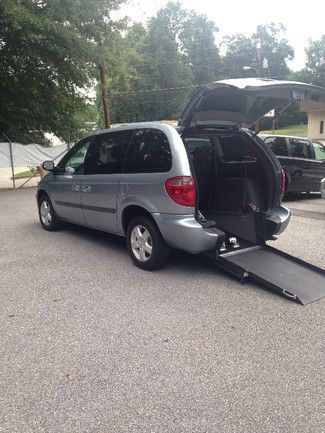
(244,101)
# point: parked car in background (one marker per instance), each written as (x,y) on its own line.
(303,161)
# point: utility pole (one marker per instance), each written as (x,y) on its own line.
(103,84)
(258,50)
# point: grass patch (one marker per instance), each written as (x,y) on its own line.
(299,130)
(26,174)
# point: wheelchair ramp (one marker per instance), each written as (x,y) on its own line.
(278,271)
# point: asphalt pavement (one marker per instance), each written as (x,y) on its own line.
(89,343)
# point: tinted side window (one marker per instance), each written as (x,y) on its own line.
(319,149)
(107,153)
(278,145)
(299,148)
(149,152)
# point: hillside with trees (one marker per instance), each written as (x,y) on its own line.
(52,54)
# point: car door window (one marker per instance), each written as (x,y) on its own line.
(149,152)
(195,145)
(107,153)
(300,148)
(73,161)
(278,145)
(319,149)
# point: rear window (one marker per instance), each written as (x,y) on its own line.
(235,148)
(149,152)
(299,148)
(278,145)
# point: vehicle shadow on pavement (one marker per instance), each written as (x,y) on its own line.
(97,236)
(181,259)
(299,197)
(178,259)
(179,263)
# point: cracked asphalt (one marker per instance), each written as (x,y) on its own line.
(89,343)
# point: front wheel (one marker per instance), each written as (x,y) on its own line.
(147,248)
(47,215)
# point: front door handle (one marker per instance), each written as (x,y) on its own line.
(86,188)
(75,188)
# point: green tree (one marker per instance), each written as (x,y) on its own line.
(267,42)
(314,70)
(197,37)
(167,67)
(315,67)
(313,73)
(129,77)
(153,69)
(49,53)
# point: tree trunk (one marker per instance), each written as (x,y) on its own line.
(103,83)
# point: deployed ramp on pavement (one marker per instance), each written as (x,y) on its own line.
(292,277)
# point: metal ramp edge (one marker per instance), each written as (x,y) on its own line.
(292,277)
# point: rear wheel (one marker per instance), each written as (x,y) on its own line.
(47,215)
(147,248)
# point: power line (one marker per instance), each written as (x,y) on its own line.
(165,89)
(168,89)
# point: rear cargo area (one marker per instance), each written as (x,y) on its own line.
(234,182)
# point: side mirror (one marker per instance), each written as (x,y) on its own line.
(48,165)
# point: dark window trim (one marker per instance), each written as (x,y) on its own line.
(321,127)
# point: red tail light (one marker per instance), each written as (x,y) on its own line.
(182,190)
(283,183)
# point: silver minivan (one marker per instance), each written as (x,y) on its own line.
(208,185)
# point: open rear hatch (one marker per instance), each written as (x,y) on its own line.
(239,103)
(242,102)
(278,271)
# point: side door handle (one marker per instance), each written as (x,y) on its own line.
(86,188)
(75,188)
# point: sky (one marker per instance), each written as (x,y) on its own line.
(303,20)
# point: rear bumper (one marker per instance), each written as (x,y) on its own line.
(278,221)
(185,233)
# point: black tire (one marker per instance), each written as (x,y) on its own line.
(54,223)
(160,250)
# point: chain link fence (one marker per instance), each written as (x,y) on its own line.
(20,164)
